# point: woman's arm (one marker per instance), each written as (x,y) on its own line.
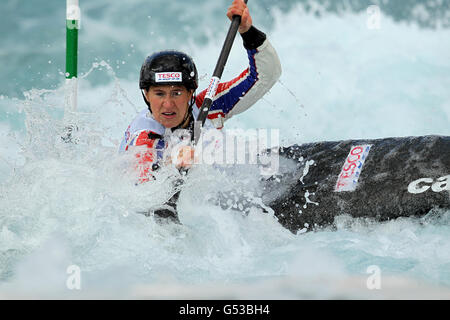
(236,96)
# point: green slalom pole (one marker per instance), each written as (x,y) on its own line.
(72,27)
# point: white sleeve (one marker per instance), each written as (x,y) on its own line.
(268,68)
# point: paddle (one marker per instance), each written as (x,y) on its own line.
(204,109)
(217,74)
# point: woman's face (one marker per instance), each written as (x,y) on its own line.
(169,104)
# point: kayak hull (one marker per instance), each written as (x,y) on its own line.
(381,179)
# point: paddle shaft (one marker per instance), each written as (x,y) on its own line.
(217,74)
(212,89)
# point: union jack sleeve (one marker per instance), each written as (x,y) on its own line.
(239,94)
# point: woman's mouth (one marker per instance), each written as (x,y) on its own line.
(169,115)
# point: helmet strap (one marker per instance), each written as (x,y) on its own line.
(188,117)
(145,99)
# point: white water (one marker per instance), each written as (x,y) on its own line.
(65,204)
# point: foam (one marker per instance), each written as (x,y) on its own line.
(340,81)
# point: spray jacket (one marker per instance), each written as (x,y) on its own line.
(232,97)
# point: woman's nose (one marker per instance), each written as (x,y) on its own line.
(167,101)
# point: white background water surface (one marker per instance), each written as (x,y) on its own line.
(344,77)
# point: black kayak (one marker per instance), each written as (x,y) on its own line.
(382,179)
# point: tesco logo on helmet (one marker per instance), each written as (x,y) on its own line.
(168,77)
(424,184)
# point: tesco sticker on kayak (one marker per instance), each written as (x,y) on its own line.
(168,77)
(348,179)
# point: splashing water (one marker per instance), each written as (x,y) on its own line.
(65,205)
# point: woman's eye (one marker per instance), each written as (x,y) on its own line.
(177,93)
